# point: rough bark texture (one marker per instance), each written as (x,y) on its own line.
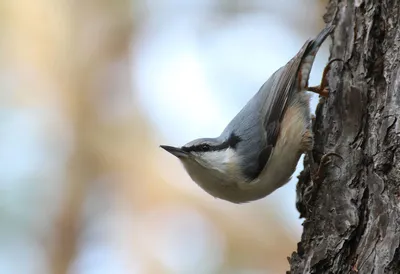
(352,222)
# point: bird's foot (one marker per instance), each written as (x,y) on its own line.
(317,175)
(323,89)
(318,172)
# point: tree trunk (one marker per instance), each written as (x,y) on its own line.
(352,221)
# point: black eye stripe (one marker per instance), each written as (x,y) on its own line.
(198,148)
(205,147)
(232,141)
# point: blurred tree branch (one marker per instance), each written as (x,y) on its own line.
(97,50)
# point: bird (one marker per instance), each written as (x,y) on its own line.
(260,147)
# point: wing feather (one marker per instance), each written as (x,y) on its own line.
(283,91)
(275,95)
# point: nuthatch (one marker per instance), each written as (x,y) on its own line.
(259,149)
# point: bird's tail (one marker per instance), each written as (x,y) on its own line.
(318,40)
(312,47)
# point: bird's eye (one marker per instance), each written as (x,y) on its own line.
(205,147)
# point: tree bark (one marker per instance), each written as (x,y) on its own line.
(352,221)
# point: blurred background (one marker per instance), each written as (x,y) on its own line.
(90,89)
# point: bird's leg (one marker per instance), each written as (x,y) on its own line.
(317,176)
(318,173)
(323,88)
(307,144)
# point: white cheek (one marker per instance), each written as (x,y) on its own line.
(213,158)
(220,160)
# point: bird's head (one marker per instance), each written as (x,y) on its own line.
(209,159)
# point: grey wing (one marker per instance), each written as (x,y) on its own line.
(285,85)
(274,97)
(274,105)
(282,90)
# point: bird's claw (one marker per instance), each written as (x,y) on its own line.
(323,89)
(318,173)
(317,176)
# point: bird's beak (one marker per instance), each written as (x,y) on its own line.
(175,151)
